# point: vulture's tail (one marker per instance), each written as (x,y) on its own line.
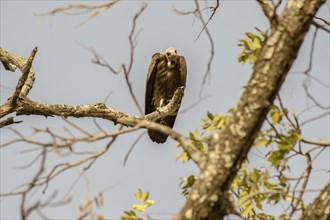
(157,136)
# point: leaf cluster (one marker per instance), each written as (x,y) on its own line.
(268,185)
(254,187)
(251,46)
(186,183)
(260,185)
(144,203)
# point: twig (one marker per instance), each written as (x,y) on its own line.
(270,11)
(132,47)
(132,147)
(305,175)
(267,8)
(194,104)
(322,19)
(321,27)
(207,74)
(25,82)
(25,212)
(127,70)
(197,12)
(311,53)
(77,127)
(314,118)
(84,9)
(8,121)
(214,9)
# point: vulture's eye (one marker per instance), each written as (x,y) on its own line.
(175,51)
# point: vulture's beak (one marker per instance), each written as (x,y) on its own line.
(171,55)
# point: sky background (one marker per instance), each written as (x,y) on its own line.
(65,74)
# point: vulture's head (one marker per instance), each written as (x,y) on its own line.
(171,55)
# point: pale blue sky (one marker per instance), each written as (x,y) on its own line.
(64,74)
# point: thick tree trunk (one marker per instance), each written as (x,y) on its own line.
(320,208)
(228,149)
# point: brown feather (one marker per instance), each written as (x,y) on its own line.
(161,84)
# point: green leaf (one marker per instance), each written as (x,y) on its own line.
(183,156)
(283,181)
(130,213)
(246,44)
(250,35)
(210,115)
(284,145)
(247,210)
(191,136)
(258,200)
(255,176)
(149,203)
(276,157)
(186,183)
(265,216)
(138,195)
(257,42)
(145,196)
(263,33)
(274,198)
(283,216)
(261,142)
(138,207)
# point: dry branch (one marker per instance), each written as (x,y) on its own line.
(320,208)
(228,149)
(24,84)
(25,106)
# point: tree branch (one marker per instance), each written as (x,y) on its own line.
(25,106)
(320,208)
(229,148)
(8,121)
(24,84)
(270,12)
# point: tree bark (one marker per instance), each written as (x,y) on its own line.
(320,208)
(228,149)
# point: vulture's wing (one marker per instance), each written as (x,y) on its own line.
(152,70)
(183,70)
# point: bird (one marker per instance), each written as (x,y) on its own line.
(166,73)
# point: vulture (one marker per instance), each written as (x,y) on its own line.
(166,73)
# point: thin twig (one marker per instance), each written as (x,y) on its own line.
(132,147)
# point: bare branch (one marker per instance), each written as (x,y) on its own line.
(102,62)
(188,147)
(83,7)
(320,207)
(311,53)
(198,13)
(194,104)
(267,8)
(311,97)
(213,9)
(78,9)
(77,127)
(25,212)
(132,147)
(207,74)
(8,121)
(322,143)
(322,19)
(25,82)
(314,118)
(321,27)
(305,175)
